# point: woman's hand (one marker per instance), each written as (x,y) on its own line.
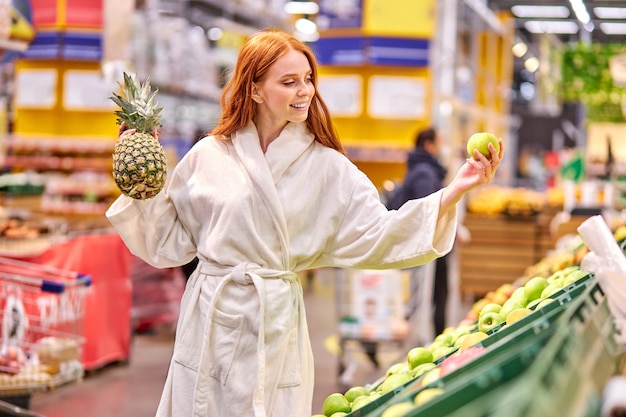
(476,171)
(124,131)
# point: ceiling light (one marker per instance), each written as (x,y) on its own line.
(305,26)
(531,64)
(581,11)
(519,49)
(613,28)
(551,26)
(610,12)
(301,7)
(307,37)
(214,33)
(540,11)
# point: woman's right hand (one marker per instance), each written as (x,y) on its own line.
(124,131)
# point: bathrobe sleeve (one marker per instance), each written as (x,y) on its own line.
(370,236)
(151,229)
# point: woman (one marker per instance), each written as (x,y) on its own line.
(269,194)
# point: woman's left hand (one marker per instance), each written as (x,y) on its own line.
(479,170)
(473,173)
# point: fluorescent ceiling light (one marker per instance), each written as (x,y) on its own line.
(540,11)
(610,12)
(301,7)
(613,28)
(581,11)
(531,64)
(551,26)
(519,49)
(306,26)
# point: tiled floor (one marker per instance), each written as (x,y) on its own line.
(133,389)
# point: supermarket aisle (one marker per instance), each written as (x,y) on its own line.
(133,389)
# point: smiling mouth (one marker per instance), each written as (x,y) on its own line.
(299,106)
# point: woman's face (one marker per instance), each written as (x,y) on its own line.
(285,93)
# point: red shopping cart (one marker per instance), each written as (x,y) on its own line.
(41,318)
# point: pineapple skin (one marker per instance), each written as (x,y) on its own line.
(139,166)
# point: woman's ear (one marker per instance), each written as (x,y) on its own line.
(255,94)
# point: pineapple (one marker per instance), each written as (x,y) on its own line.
(139,164)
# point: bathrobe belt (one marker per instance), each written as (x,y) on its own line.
(245,274)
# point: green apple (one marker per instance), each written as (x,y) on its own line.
(445,338)
(442,351)
(534,303)
(422,369)
(334,403)
(573,276)
(472,339)
(430,376)
(419,355)
(396,368)
(517,314)
(394,381)
(489,321)
(544,303)
(480,141)
(534,287)
(355,392)
(426,395)
(551,289)
(509,306)
(459,340)
(489,308)
(362,401)
(519,295)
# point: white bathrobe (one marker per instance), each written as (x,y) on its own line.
(255,220)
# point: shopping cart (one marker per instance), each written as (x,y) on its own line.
(41,317)
(371,308)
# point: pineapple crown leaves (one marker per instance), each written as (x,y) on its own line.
(138,107)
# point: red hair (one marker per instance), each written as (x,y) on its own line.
(255,58)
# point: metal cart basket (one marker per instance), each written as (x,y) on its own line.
(372,312)
(41,319)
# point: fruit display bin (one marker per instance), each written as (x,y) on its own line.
(572,370)
(502,344)
(564,368)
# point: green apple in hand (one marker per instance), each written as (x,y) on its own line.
(489,321)
(480,141)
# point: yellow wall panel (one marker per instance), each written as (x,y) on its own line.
(57,120)
(403,18)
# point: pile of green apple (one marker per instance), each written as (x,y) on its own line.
(504,306)
(533,295)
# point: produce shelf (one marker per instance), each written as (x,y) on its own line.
(527,373)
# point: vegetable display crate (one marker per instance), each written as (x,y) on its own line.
(564,368)
(510,350)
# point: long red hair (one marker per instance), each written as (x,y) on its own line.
(255,58)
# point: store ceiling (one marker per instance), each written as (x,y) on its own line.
(595,9)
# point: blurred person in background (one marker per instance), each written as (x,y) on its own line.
(268,194)
(425,175)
